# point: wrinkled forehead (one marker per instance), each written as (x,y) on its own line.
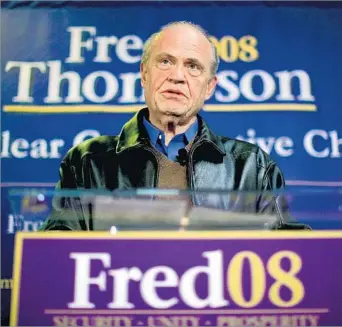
(182,42)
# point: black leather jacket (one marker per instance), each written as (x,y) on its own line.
(128,161)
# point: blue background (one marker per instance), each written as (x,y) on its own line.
(291,36)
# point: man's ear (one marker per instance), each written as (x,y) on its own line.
(210,87)
(143,74)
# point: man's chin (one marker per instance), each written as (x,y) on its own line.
(176,111)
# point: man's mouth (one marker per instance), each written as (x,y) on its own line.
(173,92)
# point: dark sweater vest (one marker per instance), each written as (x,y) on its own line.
(171,173)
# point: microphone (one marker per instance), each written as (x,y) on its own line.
(182,157)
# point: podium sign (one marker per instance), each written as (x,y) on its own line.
(178,279)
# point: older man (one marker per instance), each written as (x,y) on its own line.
(167,144)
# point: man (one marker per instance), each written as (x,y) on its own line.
(167,144)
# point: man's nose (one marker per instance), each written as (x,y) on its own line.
(177,74)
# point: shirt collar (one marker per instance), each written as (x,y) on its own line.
(154,132)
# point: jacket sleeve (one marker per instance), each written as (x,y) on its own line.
(273,199)
(67,211)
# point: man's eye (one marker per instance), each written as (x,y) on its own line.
(193,66)
(164,64)
(194,69)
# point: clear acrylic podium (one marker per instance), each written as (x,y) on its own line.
(169,209)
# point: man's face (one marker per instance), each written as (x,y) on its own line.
(177,77)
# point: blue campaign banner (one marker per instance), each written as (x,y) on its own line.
(70,71)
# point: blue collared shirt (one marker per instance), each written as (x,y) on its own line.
(180,141)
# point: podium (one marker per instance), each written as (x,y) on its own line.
(173,258)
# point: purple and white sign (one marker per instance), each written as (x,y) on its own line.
(178,279)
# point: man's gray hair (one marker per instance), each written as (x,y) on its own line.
(149,43)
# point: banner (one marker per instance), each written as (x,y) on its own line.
(178,279)
(71,72)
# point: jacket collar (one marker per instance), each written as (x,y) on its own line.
(134,134)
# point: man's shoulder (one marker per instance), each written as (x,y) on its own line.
(237,146)
(94,146)
(243,150)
